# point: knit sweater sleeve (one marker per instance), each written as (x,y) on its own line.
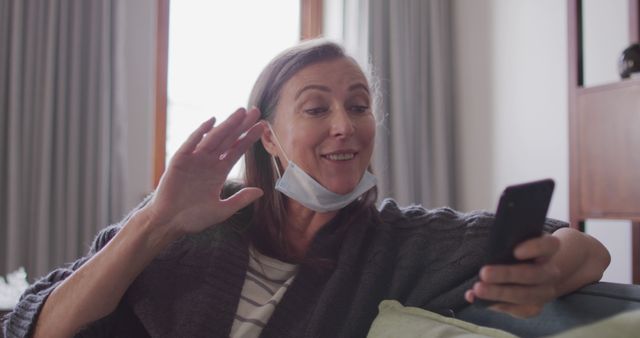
(21,321)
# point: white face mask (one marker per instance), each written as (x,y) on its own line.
(298,185)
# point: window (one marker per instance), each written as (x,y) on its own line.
(241,36)
(216,51)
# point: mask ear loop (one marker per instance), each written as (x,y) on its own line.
(275,163)
(279,198)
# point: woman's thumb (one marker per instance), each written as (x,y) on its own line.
(243,198)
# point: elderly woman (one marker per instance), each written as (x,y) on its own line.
(299,248)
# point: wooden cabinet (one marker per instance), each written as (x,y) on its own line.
(608,151)
(604,145)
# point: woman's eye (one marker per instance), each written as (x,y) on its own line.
(359,109)
(316,110)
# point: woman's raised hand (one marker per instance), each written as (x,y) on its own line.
(187,199)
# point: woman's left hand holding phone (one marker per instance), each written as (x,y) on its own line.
(521,289)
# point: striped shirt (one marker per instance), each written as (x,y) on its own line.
(265,283)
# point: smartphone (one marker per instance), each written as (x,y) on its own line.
(521,213)
(520,216)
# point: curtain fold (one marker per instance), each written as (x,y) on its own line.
(61,144)
(408,45)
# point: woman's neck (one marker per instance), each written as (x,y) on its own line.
(303,224)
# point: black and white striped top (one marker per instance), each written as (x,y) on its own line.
(266,282)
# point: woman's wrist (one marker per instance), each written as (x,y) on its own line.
(151,233)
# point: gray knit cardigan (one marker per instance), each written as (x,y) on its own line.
(424,258)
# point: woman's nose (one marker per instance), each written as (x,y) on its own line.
(342,125)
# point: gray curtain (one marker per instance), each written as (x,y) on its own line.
(408,44)
(61,129)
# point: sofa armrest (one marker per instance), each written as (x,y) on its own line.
(584,306)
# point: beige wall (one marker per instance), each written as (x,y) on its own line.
(511,96)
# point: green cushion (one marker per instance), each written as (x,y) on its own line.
(396,320)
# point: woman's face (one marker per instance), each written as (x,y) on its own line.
(324,123)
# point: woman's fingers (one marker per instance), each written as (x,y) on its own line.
(539,248)
(514,294)
(196,136)
(516,310)
(469,296)
(521,289)
(218,141)
(241,199)
(242,144)
(212,140)
(252,116)
(525,274)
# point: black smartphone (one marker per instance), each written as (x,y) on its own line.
(520,216)
(521,213)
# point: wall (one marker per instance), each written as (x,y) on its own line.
(512,108)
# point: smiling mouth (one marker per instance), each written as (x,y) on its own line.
(340,156)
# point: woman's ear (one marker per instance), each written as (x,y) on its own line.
(268,142)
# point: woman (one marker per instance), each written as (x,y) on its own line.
(300,250)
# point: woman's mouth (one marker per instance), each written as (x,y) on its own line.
(340,156)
